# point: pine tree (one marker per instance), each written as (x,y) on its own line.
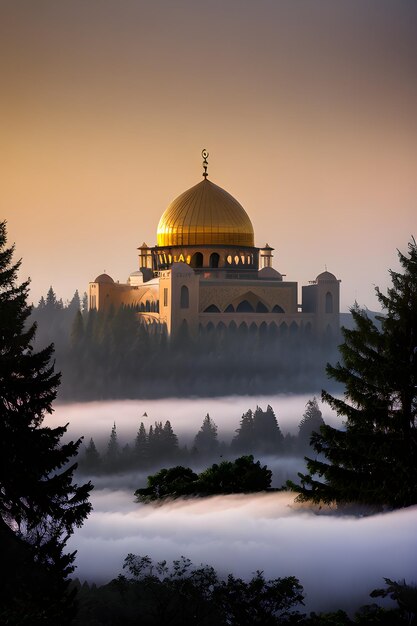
(243,441)
(169,442)
(113,450)
(77,330)
(141,446)
(206,440)
(373,461)
(311,421)
(267,433)
(92,458)
(39,503)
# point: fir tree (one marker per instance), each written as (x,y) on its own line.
(39,503)
(243,441)
(92,459)
(113,449)
(311,421)
(169,441)
(373,461)
(206,440)
(267,433)
(141,446)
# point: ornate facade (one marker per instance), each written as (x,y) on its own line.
(205,274)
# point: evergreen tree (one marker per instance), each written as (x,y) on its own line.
(311,421)
(92,459)
(243,441)
(77,330)
(267,433)
(141,446)
(39,503)
(51,301)
(374,459)
(84,303)
(113,449)
(74,306)
(206,440)
(169,441)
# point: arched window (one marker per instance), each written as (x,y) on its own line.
(273,330)
(214,259)
(293,328)
(229,309)
(283,329)
(185,298)
(197,260)
(243,329)
(232,327)
(278,309)
(253,329)
(244,307)
(261,308)
(212,309)
(148,306)
(329,303)
(263,329)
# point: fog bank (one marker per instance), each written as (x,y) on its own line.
(95,419)
(338,560)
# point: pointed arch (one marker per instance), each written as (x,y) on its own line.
(329,302)
(214,259)
(283,329)
(277,309)
(212,308)
(197,260)
(184,297)
(245,307)
(261,308)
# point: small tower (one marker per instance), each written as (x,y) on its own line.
(266,256)
(145,257)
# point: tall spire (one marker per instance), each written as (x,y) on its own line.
(205,154)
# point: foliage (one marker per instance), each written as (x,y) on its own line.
(206,440)
(156,593)
(39,503)
(374,460)
(258,431)
(311,421)
(240,476)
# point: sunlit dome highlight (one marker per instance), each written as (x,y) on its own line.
(206,214)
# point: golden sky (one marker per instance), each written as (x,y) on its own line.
(307,108)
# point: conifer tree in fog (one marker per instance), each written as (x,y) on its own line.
(311,421)
(206,440)
(373,460)
(39,503)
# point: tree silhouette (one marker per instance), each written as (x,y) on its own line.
(206,440)
(39,503)
(374,459)
(311,421)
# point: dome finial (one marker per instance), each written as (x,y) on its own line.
(205,154)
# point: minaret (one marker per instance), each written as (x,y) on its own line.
(266,256)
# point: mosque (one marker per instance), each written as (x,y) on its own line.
(205,274)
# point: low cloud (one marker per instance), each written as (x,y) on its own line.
(338,559)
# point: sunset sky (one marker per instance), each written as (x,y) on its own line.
(308,109)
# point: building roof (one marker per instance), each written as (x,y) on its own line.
(206,214)
(326,276)
(104,278)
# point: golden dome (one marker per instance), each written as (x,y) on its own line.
(205,215)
